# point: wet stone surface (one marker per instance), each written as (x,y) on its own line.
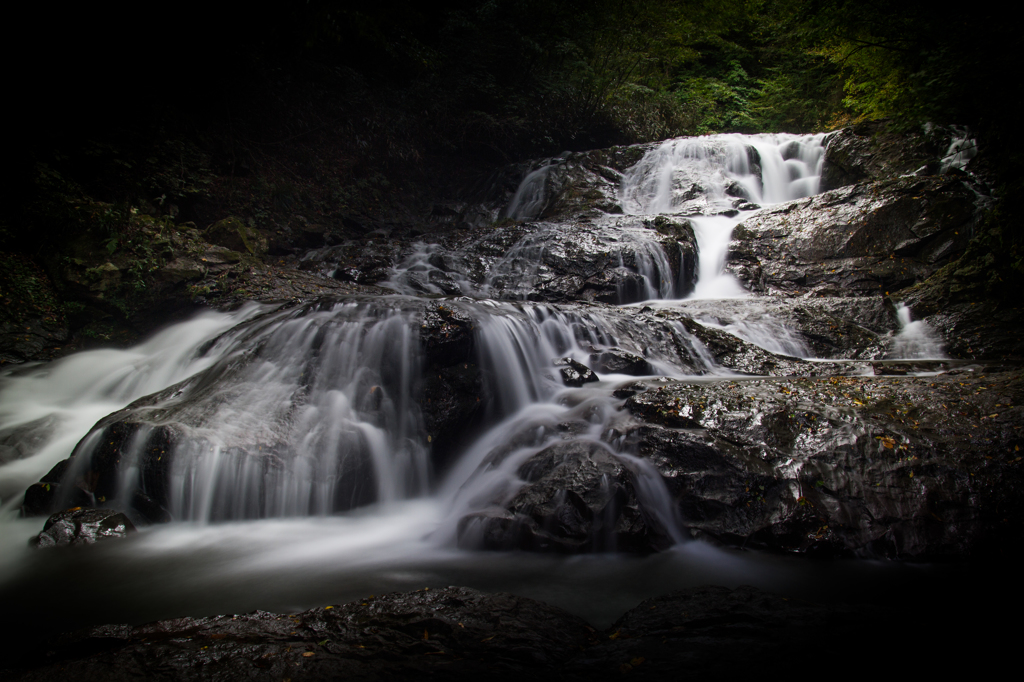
(909,468)
(82,527)
(859,240)
(578,497)
(457,633)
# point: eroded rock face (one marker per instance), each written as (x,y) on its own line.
(914,468)
(860,240)
(869,151)
(603,259)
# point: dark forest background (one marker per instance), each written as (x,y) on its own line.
(354,112)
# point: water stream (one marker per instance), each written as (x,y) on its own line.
(302,470)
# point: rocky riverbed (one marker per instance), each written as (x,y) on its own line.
(461,634)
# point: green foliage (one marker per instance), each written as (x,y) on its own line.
(25,289)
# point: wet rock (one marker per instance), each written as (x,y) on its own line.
(574,373)
(612,260)
(453,404)
(629,390)
(457,633)
(23,440)
(969,305)
(578,497)
(82,527)
(909,468)
(819,327)
(446,333)
(870,151)
(618,361)
(41,498)
(621,261)
(861,240)
(167,435)
(574,184)
(454,632)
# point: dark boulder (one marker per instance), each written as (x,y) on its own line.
(578,497)
(618,361)
(574,373)
(233,234)
(860,240)
(712,632)
(871,151)
(454,633)
(915,468)
(82,527)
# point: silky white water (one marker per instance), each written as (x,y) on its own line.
(706,178)
(304,474)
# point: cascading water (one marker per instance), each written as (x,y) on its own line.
(715,181)
(308,412)
(52,406)
(531,196)
(915,340)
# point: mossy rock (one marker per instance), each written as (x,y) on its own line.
(237,236)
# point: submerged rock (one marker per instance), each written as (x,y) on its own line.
(618,361)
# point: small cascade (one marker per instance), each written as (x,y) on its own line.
(306,412)
(53,406)
(422,271)
(531,197)
(962,148)
(537,412)
(915,339)
(319,409)
(715,180)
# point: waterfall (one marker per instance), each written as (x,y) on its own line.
(52,406)
(915,340)
(531,197)
(362,441)
(715,181)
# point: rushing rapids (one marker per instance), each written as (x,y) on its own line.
(562,379)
